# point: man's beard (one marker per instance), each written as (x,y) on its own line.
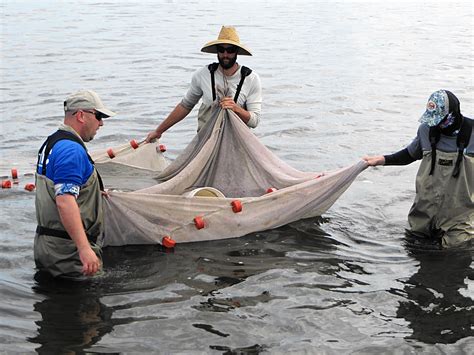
(229,64)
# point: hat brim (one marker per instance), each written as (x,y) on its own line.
(210,47)
(105,112)
(431,119)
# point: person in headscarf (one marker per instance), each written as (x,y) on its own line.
(443,209)
(225,84)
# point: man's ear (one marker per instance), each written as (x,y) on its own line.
(80,116)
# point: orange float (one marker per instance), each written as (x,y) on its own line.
(30,187)
(167,242)
(14,173)
(236,206)
(110,153)
(6,184)
(271,189)
(134,144)
(199,222)
(162,148)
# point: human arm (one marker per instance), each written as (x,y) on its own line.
(178,113)
(72,222)
(249,103)
(254,101)
(405,156)
(401,157)
(374,160)
(190,99)
(228,103)
(70,169)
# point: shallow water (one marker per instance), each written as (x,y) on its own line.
(341,79)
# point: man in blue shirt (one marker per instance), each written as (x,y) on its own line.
(68,197)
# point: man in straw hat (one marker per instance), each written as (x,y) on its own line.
(68,195)
(225,83)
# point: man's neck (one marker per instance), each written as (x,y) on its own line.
(72,125)
(231,71)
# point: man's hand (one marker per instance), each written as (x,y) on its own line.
(152,136)
(228,103)
(90,262)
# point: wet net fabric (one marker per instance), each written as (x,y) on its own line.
(227,156)
(133,155)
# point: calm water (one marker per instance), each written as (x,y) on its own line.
(340,79)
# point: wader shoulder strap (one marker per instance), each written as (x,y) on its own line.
(212,68)
(464,136)
(244,72)
(56,137)
(435,135)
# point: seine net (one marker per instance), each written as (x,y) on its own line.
(261,191)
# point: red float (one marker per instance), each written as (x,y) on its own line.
(110,153)
(30,187)
(167,242)
(236,206)
(199,222)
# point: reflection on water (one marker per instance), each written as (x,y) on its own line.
(141,282)
(72,316)
(436,308)
(340,79)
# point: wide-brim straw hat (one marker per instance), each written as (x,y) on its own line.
(227,35)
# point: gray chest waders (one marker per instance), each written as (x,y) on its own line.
(444,202)
(43,155)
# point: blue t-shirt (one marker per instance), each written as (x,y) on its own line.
(67,166)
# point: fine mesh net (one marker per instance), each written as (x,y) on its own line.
(224,155)
(135,155)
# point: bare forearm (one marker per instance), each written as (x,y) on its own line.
(243,114)
(228,103)
(71,219)
(178,113)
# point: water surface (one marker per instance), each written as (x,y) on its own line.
(340,79)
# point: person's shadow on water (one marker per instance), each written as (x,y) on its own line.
(72,317)
(438,308)
(73,320)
